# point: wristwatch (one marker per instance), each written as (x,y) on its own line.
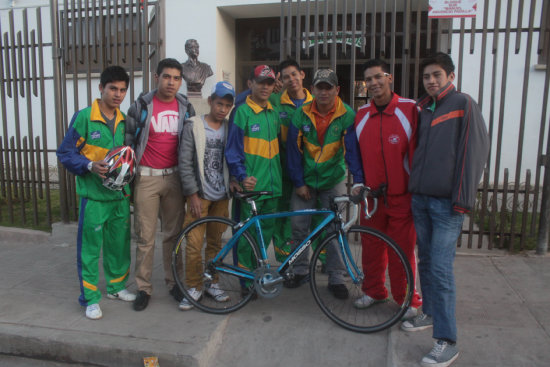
(90,166)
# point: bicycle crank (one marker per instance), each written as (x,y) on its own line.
(268,283)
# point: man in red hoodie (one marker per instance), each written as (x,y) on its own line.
(386,129)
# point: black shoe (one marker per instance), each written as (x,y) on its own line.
(338,291)
(296,280)
(177,293)
(141,301)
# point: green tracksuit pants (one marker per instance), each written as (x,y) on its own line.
(102,224)
(268,226)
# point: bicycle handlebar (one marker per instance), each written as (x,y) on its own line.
(356,200)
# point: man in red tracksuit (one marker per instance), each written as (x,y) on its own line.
(386,130)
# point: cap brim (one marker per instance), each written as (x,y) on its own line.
(263,78)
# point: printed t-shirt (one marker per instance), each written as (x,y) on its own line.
(162,145)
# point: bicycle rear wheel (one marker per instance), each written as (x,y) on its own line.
(342,311)
(197,245)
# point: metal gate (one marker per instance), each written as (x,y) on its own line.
(509,41)
(49,68)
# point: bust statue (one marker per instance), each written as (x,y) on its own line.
(194,71)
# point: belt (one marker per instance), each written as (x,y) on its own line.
(149,171)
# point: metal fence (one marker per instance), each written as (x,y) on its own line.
(488,51)
(50,62)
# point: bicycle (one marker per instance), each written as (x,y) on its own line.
(265,280)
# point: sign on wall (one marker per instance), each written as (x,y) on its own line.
(452,9)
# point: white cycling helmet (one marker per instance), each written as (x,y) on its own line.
(122,168)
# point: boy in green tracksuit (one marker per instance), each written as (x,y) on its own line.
(104,219)
(294,95)
(252,153)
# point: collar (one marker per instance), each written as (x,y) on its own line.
(426,100)
(256,107)
(339,109)
(95,114)
(285,98)
(390,108)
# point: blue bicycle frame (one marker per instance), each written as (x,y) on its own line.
(351,267)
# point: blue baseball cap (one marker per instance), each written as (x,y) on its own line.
(223,89)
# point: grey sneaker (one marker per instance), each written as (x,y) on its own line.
(218,294)
(411,313)
(420,322)
(442,355)
(366,301)
(185,304)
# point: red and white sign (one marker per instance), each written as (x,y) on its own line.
(452,9)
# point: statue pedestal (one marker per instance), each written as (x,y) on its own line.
(199,104)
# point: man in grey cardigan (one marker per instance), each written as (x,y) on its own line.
(205,183)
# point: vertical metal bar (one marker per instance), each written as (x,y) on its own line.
(473,35)
(33,64)
(43,109)
(95,32)
(146,61)
(540,165)
(132,49)
(353,54)
(503,210)
(526,74)
(108,34)
(116,41)
(289,30)
(344,26)
(80,30)
(140,34)
(405,52)
(18,167)
(429,34)
(450,35)
(6,160)
(373,32)
(20,69)
(39,180)
(460,53)
(87,52)
(325,29)
(298,32)
(383,31)
(32,168)
(74,57)
(527,192)
(393,27)
(56,56)
(8,64)
(282,32)
(124,18)
(417,49)
(334,31)
(544,223)
(492,112)
(518,25)
(364,27)
(316,44)
(308,26)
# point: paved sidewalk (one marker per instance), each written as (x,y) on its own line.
(503,316)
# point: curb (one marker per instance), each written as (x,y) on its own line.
(95,349)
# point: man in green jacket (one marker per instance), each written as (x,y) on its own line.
(286,103)
(104,218)
(252,153)
(319,136)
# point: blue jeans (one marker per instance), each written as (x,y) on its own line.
(437,228)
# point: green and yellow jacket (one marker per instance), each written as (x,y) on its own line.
(323,166)
(89,139)
(253,146)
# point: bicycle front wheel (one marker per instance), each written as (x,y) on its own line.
(344,312)
(214,287)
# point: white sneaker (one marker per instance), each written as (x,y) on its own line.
(411,313)
(94,312)
(215,292)
(123,295)
(367,301)
(185,304)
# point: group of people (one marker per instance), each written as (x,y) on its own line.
(427,158)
